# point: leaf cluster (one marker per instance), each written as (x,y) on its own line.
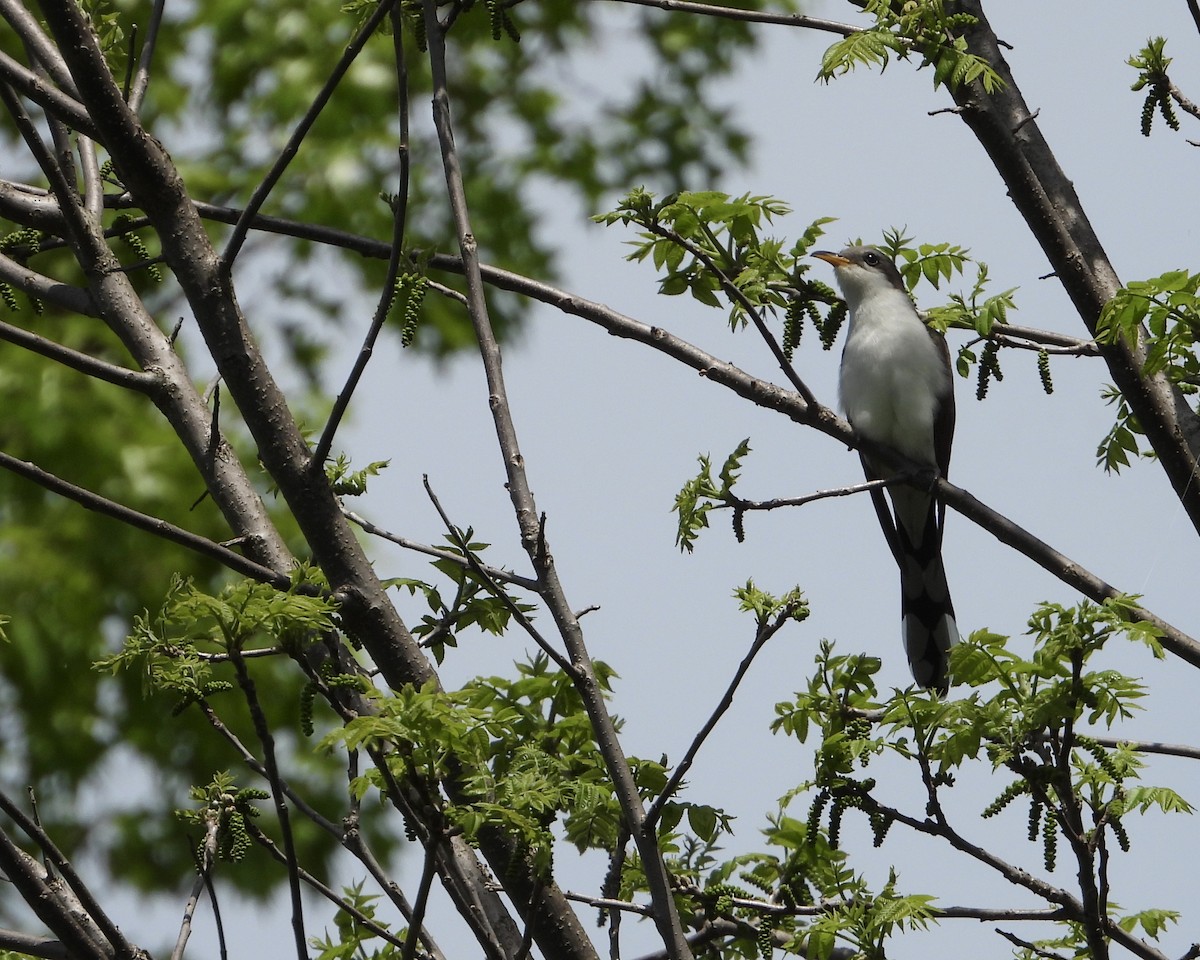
(702,494)
(1151,63)
(1162,315)
(523,753)
(354,938)
(1168,307)
(924,27)
(172,651)
(345,482)
(1025,715)
(477,602)
(228,808)
(708,243)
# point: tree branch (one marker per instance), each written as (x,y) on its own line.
(1046,198)
(56,103)
(388,294)
(86,903)
(141,78)
(747,16)
(1065,569)
(271,765)
(495,573)
(145,522)
(292,147)
(26,26)
(208,854)
(25,943)
(764,633)
(145,383)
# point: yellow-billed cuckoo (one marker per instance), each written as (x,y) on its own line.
(896,390)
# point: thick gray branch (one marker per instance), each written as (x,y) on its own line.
(1046,198)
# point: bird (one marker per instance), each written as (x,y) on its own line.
(896,388)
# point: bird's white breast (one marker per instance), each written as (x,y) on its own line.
(893,376)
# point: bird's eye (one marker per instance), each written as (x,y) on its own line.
(871,259)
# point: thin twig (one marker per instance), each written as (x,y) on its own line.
(735,295)
(493,588)
(1149,746)
(748,16)
(40,46)
(253,763)
(324,890)
(1065,569)
(265,737)
(208,855)
(56,103)
(1031,947)
(145,522)
(609,903)
(496,573)
(764,633)
(1181,101)
(388,293)
(417,923)
(354,842)
(141,79)
(777,503)
(272,177)
(1061,342)
(136,380)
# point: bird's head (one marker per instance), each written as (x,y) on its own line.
(862,272)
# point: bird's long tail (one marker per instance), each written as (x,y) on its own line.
(925,607)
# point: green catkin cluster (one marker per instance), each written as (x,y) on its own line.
(1050,840)
(1118,828)
(833,323)
(989,368)
(501,22)
(137,245)
(413,9)
(724,894)
(307,698)
(20,244)
(1159,95)
(765,940)
(1043,364)
(835,823)
(235,839)
(407,297)
(1102,757)
(795,892)
(815,813)
(210,689)
(1035,818)
(793,327)
(880,825)
(1010,793)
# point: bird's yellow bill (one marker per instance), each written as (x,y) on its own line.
(834,258)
